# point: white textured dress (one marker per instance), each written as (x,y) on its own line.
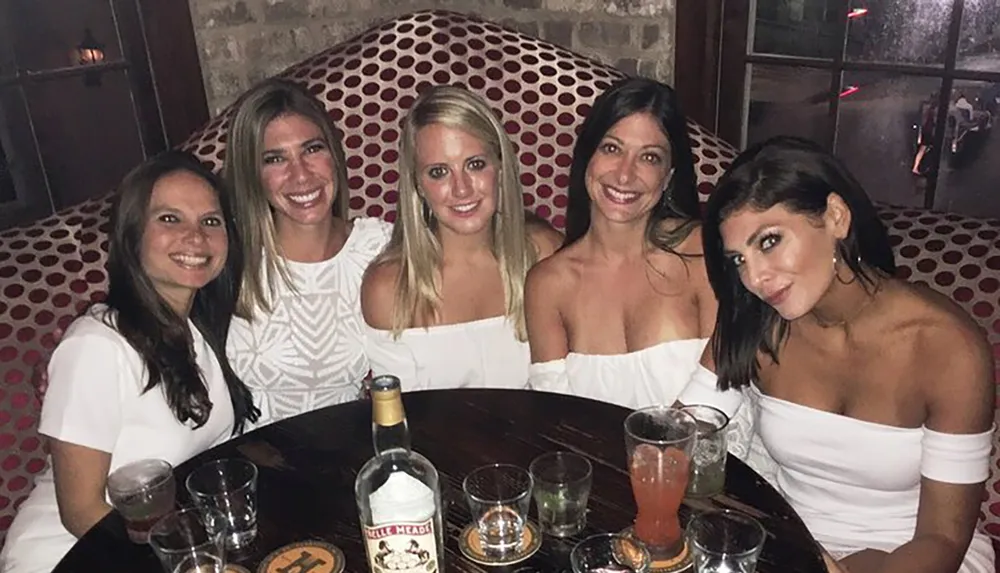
(479,354)
(309,351)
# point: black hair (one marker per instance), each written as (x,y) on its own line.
(145,319)
(680,200)
(799,175)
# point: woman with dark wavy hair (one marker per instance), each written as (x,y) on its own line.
(623,311)
(875,395)
(143,374)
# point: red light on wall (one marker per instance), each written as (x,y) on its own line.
(857,13)
(849,90)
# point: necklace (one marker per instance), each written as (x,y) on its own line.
(869,299)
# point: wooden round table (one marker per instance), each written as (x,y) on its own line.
(308,464)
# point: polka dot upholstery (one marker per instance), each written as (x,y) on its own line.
(48,273)
(541,92)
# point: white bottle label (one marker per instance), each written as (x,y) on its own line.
(402,547)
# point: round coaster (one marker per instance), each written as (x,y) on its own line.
(312,556)
(471,547)
(679,562)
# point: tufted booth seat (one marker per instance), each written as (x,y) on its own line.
(50,270)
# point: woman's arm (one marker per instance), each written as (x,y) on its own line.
(543,237)
(959,391)
(547,334)
(81,475)
(378,295)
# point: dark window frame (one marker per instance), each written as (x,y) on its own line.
(736,57)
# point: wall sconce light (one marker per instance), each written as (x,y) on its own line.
(90,51)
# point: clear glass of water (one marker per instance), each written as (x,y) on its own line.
(609,552)
(499,496)
(562,487)
(142,491)
(229,486)
(708,463)
(190,539)
(725,542)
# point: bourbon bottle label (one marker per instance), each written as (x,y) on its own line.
(409,547)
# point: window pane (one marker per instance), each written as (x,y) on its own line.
(979,42)
(788,100)
(877,133)
(902,31)
(970,164)
(806,28)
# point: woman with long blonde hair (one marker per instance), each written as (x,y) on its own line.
(444,303)
(297,338)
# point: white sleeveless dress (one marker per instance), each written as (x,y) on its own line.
(479,354)
(309,351)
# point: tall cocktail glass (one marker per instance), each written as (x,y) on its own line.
(659,441)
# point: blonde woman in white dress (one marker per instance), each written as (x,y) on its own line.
(298,338)
(444,304)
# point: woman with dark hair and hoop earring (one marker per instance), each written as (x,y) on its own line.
(143,374)
(622,312)
(875,395)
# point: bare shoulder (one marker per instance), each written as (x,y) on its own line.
(543,237)
(553,275)
(950,354)
(378,294)
(939,323)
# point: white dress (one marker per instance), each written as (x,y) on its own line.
(479,354)
(856,484)
(309,352)
(654,375)
(95,399)
(661,374)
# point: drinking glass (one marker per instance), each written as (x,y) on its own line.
(708,464)
(659,441)
(499,496)
(725,542)
(609,552)
(562,486)
(231,487)
(190,539)
(142,491)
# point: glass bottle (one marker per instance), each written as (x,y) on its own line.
(397,491)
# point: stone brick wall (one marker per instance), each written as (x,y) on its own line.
(243,41)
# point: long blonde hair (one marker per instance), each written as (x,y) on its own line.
(257,108)
(414,245)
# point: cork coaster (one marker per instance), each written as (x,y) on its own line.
(472,548)
(312,556)
(680,562)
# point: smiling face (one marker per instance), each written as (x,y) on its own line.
(457,175)
(184,244)
(298,172)
(629,171)
(786,259)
